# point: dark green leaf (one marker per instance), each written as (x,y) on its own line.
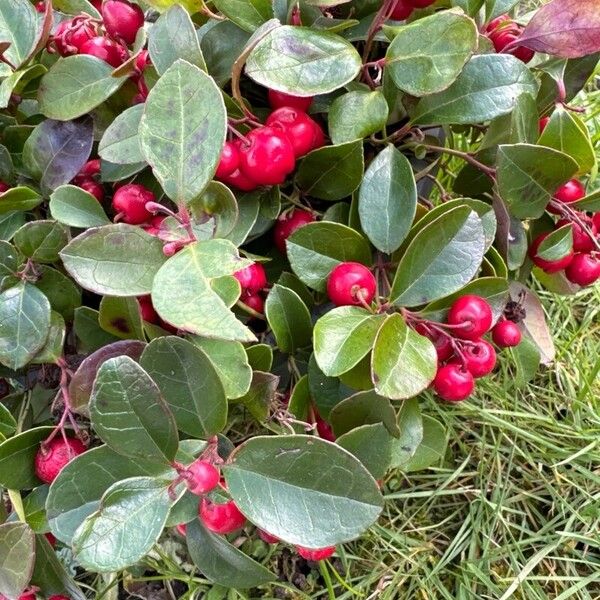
(432,448)
(42,240)
(364,408)
(121,317)
(371,445)
(325,391)
(557,245)
(356,115)
(259,398)
(260,357)
(18,198)
(17,555)
(53,348)
(247,14)
(288,318)
(410,424)
(18,28)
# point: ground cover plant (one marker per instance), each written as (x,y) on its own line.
(255,256)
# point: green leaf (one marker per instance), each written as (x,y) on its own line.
(387,200)
(356,115)
(343,337)
(332,172)
(410,424)
(82,381)
(427,56)
(590,203)
(487,87)
(10,262)
(90,335)
(17,455)
(24,324)
(75,494)
(182,130)
(301,61)
(17,556)
(130,519)
(18,28)
(53,348)
(115,260)
(247,14)
(557,245)
(441,259)
(19,198)
(221,562)
(431,450)
(260,357)
(567,133)
(403,363)
(189,383)
(526,357)
(121,317)
(196,307)
(231,363)
(528,175)
(261,395)
(371,445)
(120,143)
(8,424)
(129,414)
(288,318)
(173,37)
(292,485)
(75,207)
(42,240)
(363,408)
(76,85)
(315,249)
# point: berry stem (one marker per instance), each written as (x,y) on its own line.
(489,171)
(382,15)
(249,310)
(570,214)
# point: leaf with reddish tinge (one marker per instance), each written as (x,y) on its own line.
(565,28)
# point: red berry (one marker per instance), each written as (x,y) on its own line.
(596,220)
(181,529)
(256,302)
(402,10)
(506,334)
(315,554)
(351,283)
(453,383)
(252,278)
(570,192)
(324,429)
(70,36)
(288,223)
(24,596)
(203,477)
(303,133)
(147,311)
(497,22)
(4,187)
(51,539)
(90,169)
(92,187)
(53,457)
(582,241)
(153,226)
(229,161)
(442,341)
(221,518)
(240,181)
(474,316)
(104,49)
(522,53)
(267,537)
(279,99)
(122,19)
(130,201)
(549,266)
(584,269)
(480,358)
(542,123)
(267,156)
(142,60)
(422,3)
(40,6)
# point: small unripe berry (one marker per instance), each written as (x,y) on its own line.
(122,19)
(51,458)
(351,283)
(202,477)
(506,334)
(453,383)
(130,202)
(315,554)
(473,315)
(221,518)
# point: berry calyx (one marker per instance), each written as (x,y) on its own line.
(288,223)
(267,156)
(202,477)
(315,554)
(582,240)
(110,52)
(402,10)
(479,358)
(256,302)
(265,536)
(506,334)
(229,161)
(351,283)
(549,266)
(122,19)
(70,36)
(570,192)
(92,187)
(280,99)
(252,278)
(472,314)
(129,202)
(453,383)
(52,457)
(303,133)
(221,518)
(584,269)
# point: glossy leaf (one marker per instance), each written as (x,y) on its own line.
(261,395)
(371,445)
(17,556)
(129,414)
(356,115)
(53,348)
(19,198)
(288,318)
(18,27)
(247,14)
(292,486)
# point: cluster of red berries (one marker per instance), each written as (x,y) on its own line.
(267,155)
(463,355)
(404,8)
(503,32)
(581,264)
(253,281)
(88,179)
